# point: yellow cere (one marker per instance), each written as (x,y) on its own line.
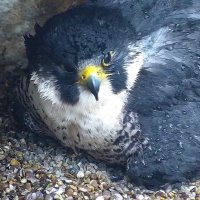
(92,70)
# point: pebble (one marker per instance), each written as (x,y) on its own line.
(91,188)
(106,195)
(80,174)
(94,183)
(31,196)
(2,157)
(198,190)
(5,198)
(23,180)
(100,198)
(104,185)
(28,186)
(14,162)
(58,197)
(69,198)
(87,173)
(140,197)
(70,192)
(48,197)
(82,189)
(117,196)
(74,169)
(161,193)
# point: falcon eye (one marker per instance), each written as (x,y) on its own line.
(106,61)
(83,77)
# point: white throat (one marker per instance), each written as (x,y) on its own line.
(92,120)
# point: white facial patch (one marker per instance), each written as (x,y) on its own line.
(46,88)
(133,66)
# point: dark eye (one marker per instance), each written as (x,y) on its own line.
(106,61)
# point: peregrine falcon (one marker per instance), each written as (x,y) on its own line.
(120,80)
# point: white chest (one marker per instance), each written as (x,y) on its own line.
(89,124)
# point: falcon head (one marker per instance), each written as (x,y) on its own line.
(80,53)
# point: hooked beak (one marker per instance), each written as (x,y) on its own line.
(93,84)
(91,77)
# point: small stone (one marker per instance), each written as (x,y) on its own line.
(5,198)
(140,197)
(73,187)
(58,197)
(11,186)
(2,156)
(35,167)
(162,198)
(69,198)
(23,180)
(198,191)
(192,189)
(82,189)
(87,180)
(94,176)
(105,185)
(161,194)
(14,162)
(19,154)
(69,192)
(171,194)
(125,196)
(92,168)
(60,183)
(39,195)
(31,196)
(28,186)
(117,196)
(100,198)
(87,173)
(3,178)
(48,197)
(106,194)
(8,190)
(94,183)
(80,174)
(52,177)
(75,193)
(30,176)
(74,169)
(22,141)
(91,188)
(183,195)
(119,189)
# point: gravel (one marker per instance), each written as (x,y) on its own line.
(35,167)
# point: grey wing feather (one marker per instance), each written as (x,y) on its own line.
(166,97)
(145,15)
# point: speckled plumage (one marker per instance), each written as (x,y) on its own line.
(153,80)
(81,122)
